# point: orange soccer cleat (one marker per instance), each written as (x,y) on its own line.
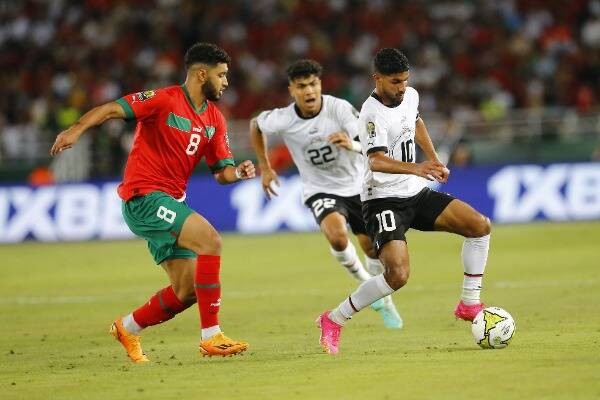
(221,345)
(131,343)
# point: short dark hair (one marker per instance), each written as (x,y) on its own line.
(390,61)
(303,68)
(206,53)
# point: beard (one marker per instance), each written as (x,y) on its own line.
(210,91)
(395,101)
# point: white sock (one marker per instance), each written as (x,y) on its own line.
(130,325)
(350,261)
(373,266)
(471,290)
(366,293)
(209,332)
(474,257)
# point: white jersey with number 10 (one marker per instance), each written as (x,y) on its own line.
(392,130)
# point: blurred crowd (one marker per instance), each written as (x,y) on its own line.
(479,57)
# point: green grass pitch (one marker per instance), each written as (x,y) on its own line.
(57,301)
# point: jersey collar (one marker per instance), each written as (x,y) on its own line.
(198,110)
(299,114)
(376,97)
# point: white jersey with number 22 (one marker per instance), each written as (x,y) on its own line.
(323,167)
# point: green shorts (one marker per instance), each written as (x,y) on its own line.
(158,218)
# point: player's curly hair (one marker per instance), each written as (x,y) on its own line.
(206,53)
(389,61)
(303,68)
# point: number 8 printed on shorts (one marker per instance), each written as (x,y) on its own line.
(165,214)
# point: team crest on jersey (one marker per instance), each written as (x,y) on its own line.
(145,95)
(371,129)
(209,131)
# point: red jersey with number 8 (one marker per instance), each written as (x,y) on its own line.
(171,136)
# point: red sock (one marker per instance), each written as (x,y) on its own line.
(161,307)
(208,289)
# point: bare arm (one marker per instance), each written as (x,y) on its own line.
(231,174)
(96,116)
(423,139)
(259,143)
(431,170)
(342,140)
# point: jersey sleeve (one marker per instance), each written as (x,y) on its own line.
(347,116)
(373,133)
(142,105)
(417,104)
(218,154)
(270,122)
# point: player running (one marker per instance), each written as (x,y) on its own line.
(395,198)
(176,127)
(319,131)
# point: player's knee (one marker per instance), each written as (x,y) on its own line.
(397,274)
(480,226)
(371,253)
(185,292)
(208,243)
(213,244)
(338,242)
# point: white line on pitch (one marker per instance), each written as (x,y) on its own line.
(34,300)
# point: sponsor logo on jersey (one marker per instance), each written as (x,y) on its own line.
(145,95)
(197,129)
(209,131)
(313,131)
(371,129)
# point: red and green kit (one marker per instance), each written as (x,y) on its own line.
(171,137)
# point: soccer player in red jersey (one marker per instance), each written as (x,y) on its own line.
(176,127)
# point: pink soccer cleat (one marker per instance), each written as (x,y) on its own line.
(468,312)
(330,333)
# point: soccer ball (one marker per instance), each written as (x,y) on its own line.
(493,327)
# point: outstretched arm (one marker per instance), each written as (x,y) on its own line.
(259,143)
(96,116)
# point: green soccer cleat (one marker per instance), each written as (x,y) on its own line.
(386,308)
(378,305)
